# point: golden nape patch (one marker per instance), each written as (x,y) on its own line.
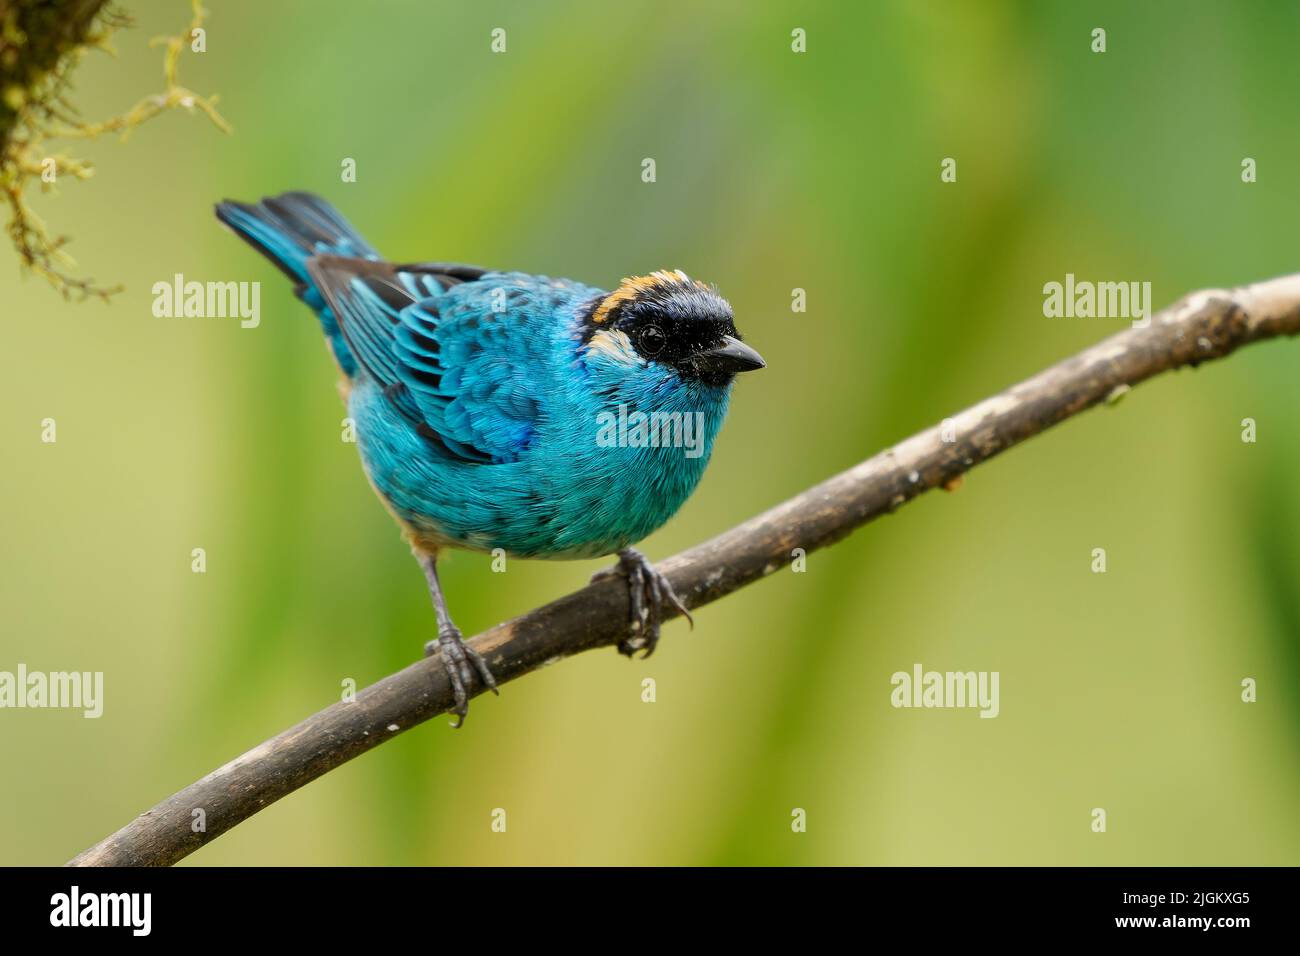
(615,344)
(634,286)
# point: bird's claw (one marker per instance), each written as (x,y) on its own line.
(648,592)
(461,662)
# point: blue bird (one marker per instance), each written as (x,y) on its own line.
(540,416)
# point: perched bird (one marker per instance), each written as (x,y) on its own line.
(491,408)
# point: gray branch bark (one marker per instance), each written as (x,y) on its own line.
(1200,327)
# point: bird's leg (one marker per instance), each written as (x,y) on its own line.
(648,592)
(460,660)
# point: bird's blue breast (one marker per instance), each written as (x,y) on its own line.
(588,452)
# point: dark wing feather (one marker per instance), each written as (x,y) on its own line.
(468,404)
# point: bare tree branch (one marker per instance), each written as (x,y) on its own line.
(1202,326)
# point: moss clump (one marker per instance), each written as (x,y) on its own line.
(41,43)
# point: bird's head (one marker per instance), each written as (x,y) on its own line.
(674,322)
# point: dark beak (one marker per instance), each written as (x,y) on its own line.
(731,356)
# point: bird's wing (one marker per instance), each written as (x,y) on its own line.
(446,360)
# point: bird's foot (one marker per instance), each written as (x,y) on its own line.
(461,662)
(649,591)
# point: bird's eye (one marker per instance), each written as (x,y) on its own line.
(651,340)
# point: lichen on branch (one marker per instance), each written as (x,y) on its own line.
(41,44)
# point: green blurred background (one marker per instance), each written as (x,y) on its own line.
(775,171)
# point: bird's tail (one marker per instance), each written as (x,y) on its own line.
(291,228)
